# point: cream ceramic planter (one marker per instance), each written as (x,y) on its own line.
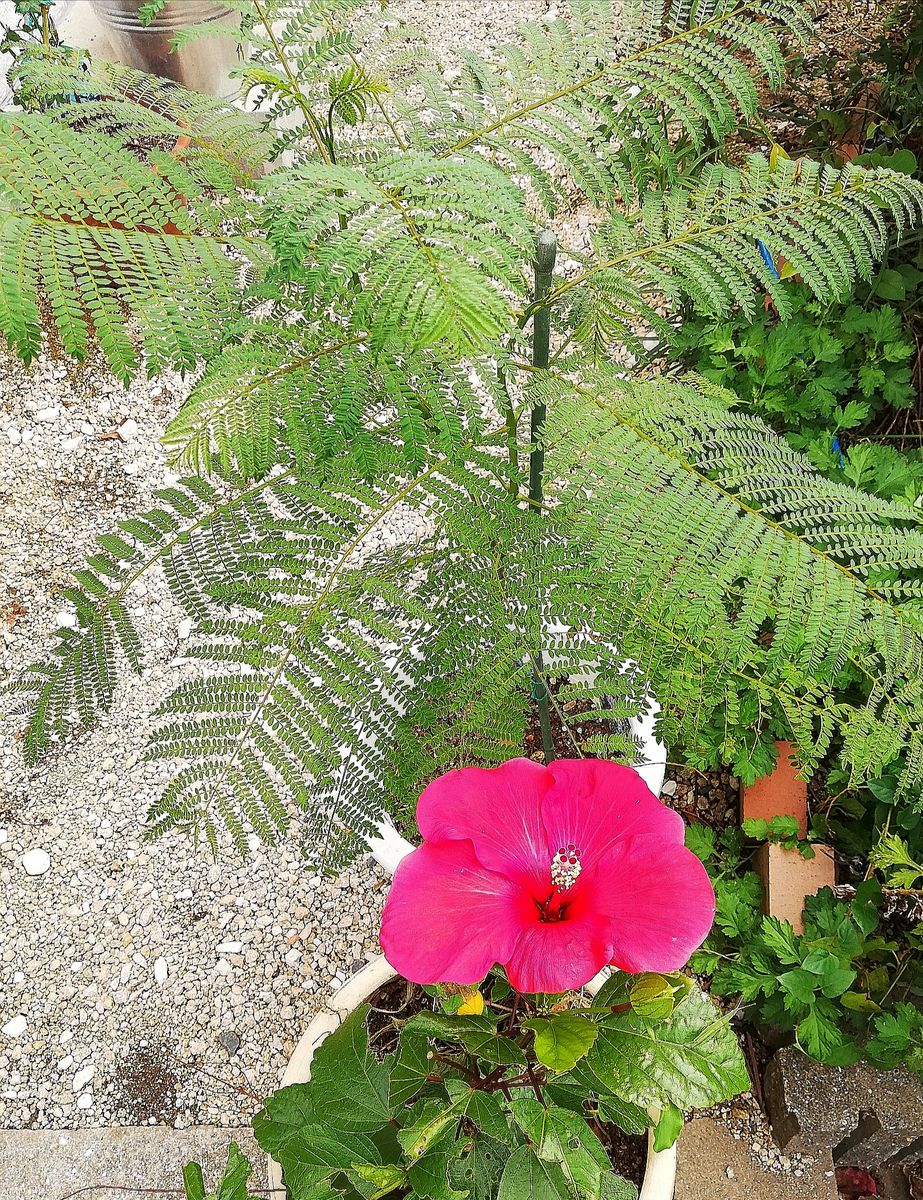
(659,1173)
(388,847)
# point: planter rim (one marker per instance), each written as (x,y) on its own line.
(660,1169)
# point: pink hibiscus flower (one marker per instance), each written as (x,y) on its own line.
(552,872)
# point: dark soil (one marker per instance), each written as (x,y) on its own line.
(398,1000)
(145,1086)
(575,731)
(709,797)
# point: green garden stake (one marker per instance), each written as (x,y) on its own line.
(545,252)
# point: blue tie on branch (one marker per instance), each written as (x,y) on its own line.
(768,259)
(838,451)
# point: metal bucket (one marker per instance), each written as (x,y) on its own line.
(202,64)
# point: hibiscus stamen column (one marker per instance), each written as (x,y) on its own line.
(545,252)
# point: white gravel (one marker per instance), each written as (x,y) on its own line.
(141,983)
(115,953)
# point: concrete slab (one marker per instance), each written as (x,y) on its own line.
(713,1165)
(51,1164)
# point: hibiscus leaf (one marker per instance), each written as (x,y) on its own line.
(309,1154)
(287,1112)
(692,1059)
(410,1068)
(563,1137)
(478,1166)
(630,1117)
(428,1121)
(384,1178)
(526,1175)
(669,1127)
(561,1041)
(477,1034)
(430,1174)
(483,1108)
(349,1087)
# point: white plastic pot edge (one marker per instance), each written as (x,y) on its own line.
(659,1172)
(388,847)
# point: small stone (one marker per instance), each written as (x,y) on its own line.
(14,435)
(15,1027)
(47,414)
(669,788)
(72,443)
(67,619)
(184,628)
(36,862)
(160,970)
(128,429)
(82,1078)
(229,1039)
(85,1101)
(230,948)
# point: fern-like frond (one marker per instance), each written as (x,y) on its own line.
(435,245)
(736,559)
(320,394)
(343,666)
(607,90)
(90,228)
(222,146)
(702,244)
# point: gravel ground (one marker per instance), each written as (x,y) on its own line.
(141,983)
(123,961)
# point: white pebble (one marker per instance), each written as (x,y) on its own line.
(67,618)
(85,1101)
(160,970)
(35,862)
(14,435)
(72,443)
(184,628)
(82,1078)
(47,414)
(128,429)
(15,1027)
(230,948)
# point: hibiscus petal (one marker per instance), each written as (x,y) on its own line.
(557,956)
(447,919)
(594,804)
(498,809)
(658,899)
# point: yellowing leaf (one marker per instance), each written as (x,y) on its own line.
(473,1004)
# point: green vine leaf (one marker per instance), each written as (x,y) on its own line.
(562,1040)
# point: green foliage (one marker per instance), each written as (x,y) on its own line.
(231,1186)
(782,830)
(822,370)
(465,1124)
(892,857)
(89,226)
(841,987)
(372,366)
